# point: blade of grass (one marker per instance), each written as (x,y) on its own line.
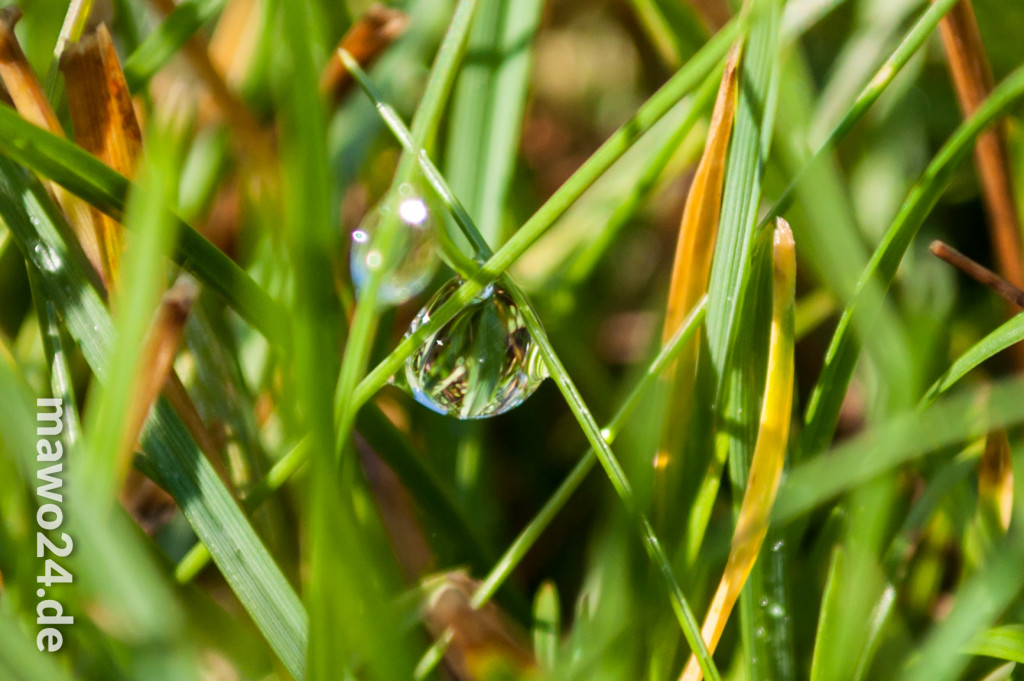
(81,173)
(546,625)
(904,438)
(353,366)
(487,110)
(691,268)
(738,311)
(687,78)
(1005,642)
(972,77)
(769,451)
(210,509)
(580,410)
(169,37)
(104,122)
(528,536)
(1004,336)
(976,604)
(823,405)
(30,101)
(144,280)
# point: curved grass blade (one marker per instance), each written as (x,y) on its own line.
(1006,335)
(75,169)
(825,400)
(1005,642)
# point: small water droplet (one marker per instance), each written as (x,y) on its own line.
(481,363)
(45,258)
(776,610)
(411,262)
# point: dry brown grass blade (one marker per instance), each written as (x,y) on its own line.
(104,121)
(692,265)
(995,479)
(146,502)
(368,37)
(156,361)
(29,99)
(769,451)
(484,645)
(972,78)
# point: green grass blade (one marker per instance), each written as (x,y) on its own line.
(1008,333)
(20,660)
(823,406)
(977,603)
(170,36)
(175,458)
(487,110)
(546,625)
(82,174)
(143,279)
(1005,642)
(908,47)
(949,421)
(685,80)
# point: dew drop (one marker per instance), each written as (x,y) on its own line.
(481,363)
(45,258)
(411,263)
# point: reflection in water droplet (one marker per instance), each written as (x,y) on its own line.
(45,258)
(411,263)
(481,363)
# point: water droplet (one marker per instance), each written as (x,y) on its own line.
(481,363)
(411,261)
(45,258)
(776,610)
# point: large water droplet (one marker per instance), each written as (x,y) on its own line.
(411,262)
(45,258)
(481,363)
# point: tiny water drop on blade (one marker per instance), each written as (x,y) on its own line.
(481,363)
(412,261)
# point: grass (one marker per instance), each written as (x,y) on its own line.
(288,514)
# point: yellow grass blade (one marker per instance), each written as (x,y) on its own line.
(692,265)
(995,480)
(769,452)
